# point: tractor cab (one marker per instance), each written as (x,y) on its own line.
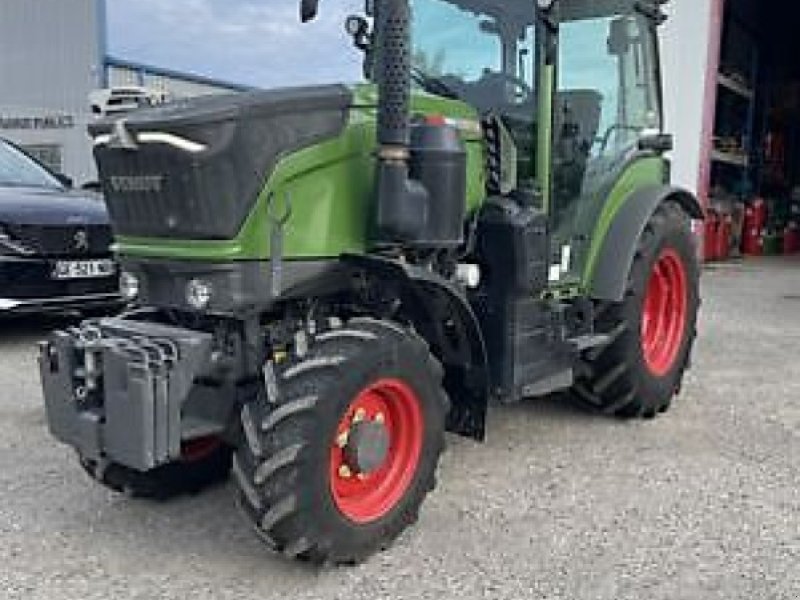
(573,90)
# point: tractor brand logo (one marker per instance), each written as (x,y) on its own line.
(137,184)
(81,240)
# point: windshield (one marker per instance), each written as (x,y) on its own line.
(480,51)
(19,170)
(622,81)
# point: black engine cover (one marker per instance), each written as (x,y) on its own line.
(158,189)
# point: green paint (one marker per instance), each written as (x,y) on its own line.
(639,174)
(544,165)
(329,187)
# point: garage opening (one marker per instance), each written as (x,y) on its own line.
(754,196)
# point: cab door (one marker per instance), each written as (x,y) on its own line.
(607,97)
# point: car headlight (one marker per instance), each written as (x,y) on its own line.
(199,293)
(11,246)
(129,286)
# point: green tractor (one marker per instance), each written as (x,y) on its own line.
(325,280)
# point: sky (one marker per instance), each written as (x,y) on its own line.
(254,42)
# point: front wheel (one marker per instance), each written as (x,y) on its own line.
(650,334)
(341,447)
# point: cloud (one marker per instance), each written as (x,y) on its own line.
(256,42)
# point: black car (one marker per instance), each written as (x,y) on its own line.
(55,242)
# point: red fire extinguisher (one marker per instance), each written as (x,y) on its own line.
(710,234)
(755,220)
(724,232)
(791,239)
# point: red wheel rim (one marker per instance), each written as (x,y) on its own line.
(664,314)
(199,449)
(364,498)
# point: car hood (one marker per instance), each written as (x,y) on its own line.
(42,206)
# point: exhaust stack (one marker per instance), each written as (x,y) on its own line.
(402,203)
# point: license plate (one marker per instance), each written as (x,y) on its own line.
(83,269)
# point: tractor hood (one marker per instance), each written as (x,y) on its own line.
(194,169)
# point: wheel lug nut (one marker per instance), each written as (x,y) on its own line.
(380,418)
(360,415)
(345,472)
(341,441)
(361,476)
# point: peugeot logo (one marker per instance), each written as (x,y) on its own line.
(81,240)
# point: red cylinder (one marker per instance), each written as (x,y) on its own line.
(710,236)
(755,220)
(753,242)
(791,239)
(760,213)
(723,241)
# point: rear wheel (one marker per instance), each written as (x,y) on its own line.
(342,446)
(204,462)
(651,333)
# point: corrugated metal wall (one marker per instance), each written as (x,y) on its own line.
(50,59)
(49,54)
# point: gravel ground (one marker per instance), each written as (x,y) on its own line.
(703,503)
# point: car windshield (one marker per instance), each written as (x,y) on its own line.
(19,170)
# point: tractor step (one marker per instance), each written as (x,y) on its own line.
(589,341)
(530,353)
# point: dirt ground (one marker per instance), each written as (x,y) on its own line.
(701,504)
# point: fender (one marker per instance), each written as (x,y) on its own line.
(618,248)
(441,313)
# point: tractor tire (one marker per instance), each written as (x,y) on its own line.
(640,369)
(342,445)
(205,463)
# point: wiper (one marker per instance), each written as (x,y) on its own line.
(432,84)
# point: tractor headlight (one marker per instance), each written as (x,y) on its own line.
(129,286)
(199,293)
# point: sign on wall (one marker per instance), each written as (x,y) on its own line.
(40,123)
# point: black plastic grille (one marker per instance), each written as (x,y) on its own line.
(75,241)
(158,190)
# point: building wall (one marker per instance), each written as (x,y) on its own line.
(50,59)
(690,54)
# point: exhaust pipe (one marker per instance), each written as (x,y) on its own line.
(418,164)
(402,203)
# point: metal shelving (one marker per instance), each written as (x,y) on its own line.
(730,158)
(733,85)
(736,145)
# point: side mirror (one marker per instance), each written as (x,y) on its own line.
(65,180)
(308,10)
(657,142)
(619,39)
(357,27)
